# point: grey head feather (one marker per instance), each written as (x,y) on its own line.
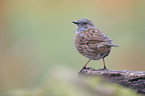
(83,24)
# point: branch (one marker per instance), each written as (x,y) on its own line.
(132,79)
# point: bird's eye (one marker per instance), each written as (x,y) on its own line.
(85,23)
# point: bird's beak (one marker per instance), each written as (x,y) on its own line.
(75,22)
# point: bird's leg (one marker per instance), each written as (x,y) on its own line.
(104,64)
(84,67)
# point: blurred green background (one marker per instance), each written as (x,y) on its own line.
(36,35)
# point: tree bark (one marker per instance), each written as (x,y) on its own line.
(132,79)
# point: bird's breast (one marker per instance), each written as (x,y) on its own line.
(90,50)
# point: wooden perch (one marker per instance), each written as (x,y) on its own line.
(132,79)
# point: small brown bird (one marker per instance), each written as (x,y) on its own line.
(91,42)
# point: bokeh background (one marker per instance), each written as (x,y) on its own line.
(36,35)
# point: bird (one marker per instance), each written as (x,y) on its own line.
(91,42)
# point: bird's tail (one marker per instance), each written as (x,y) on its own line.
(107,44)
(113,45)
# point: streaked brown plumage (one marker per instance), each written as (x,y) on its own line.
(91,42)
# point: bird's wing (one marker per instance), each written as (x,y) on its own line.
(93,36)
(98,36)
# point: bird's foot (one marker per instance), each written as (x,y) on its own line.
(103,68)
(89,68)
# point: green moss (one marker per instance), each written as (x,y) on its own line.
(60,81)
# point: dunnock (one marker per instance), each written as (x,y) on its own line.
(91,42)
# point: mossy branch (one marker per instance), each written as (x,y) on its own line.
(131,79)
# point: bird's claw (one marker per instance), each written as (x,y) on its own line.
(89,68)
(103,69)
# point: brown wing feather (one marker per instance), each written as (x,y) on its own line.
(99,37)
(92,36)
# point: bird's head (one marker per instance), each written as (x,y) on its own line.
(83,24)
